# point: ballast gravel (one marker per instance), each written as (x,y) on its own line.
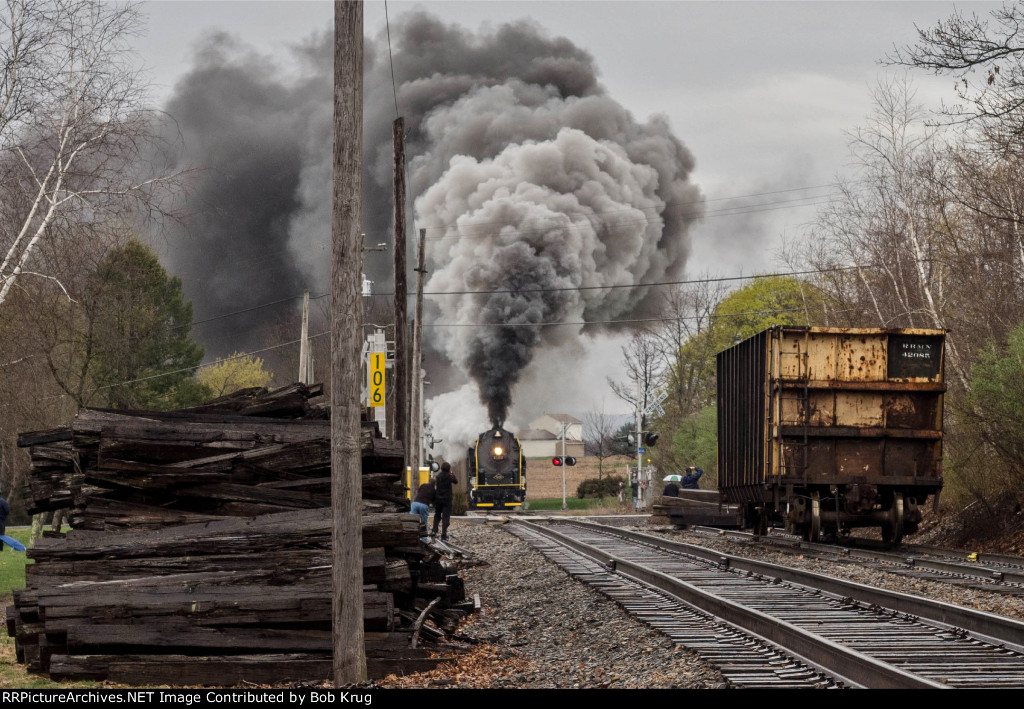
(540,629)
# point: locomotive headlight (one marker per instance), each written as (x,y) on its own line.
(498,451)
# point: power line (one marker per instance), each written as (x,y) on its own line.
(322,334)
(387,24)
(624,321)
(652,285)
(670,208)
(249,310)
(725,211)
(208,364)
(543,290)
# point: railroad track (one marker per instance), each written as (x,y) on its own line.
(766,625)
(983,572)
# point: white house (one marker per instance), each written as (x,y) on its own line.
(543,439)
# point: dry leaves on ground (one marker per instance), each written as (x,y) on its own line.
(477,669)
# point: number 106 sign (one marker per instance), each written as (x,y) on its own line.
(377,360)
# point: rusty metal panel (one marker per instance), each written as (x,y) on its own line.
(861,357)
(862,409)
(792,346)
(836,404)
(911,410)
(822,408)
(906,458)
(818,408)
(858,458)
(800,458)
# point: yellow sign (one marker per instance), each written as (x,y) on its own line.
(377,360)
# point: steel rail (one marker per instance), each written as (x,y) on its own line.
(1009,573)
(979,557)
(840,660)
(990,627)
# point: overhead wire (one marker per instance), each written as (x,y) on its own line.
(544,324)
(467,231)
(783,204)
(724,211)
(394,88)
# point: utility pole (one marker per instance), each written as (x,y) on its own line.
(565,427)
(305,371)
(415,368)
(349,665)
(399,427)
(639,444)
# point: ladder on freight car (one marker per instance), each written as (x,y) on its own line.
(802,400)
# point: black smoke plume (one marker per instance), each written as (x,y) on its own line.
(535,187)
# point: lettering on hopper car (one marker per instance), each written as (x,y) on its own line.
(914,356)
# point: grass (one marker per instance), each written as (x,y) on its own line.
(590,505)
(12,576)
(12,563)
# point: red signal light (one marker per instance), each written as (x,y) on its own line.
(557,460)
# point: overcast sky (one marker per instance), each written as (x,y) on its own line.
(759,92)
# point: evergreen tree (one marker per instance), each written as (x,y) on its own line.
(142,354)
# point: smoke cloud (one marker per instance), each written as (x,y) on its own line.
(543,199)
(553,201)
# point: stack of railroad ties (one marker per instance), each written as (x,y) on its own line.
(200,549)
(694,507)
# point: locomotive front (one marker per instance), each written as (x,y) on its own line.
(497,471)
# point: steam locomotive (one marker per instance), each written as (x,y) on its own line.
(496,470)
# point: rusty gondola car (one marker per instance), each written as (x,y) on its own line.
(822,430)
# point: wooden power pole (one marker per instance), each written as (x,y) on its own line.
(400,416)
(346,334)
(305,375)
(416,369)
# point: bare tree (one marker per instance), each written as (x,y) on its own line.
(987,58)
(642,360)
(988,61)
(599,437)
(892,229)
(687,351)
(75,138)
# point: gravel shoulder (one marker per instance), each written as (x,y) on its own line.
(540,629)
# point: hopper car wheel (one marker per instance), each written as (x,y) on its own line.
(892,528)
(813,530)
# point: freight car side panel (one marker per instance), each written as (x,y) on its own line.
(838,406)
(743,415)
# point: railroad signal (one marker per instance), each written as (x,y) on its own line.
(650,439)
(569,460)
(557,460)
